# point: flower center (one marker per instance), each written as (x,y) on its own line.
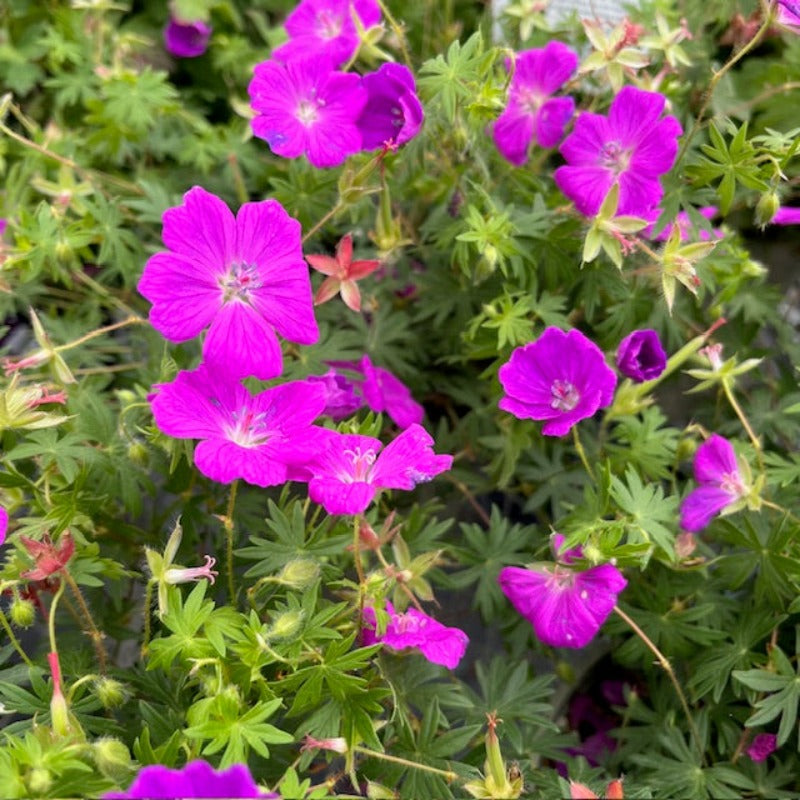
(529,100)
(405,623)
(732,484)
(615,158)
(565,396)
(239,281)
(307,112)
(249,429)
(361,465)
(329,25)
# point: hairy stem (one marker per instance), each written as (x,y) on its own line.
(229,539)
(582,453)
(445,773)
(94,633)
(745,423)
(13,639)
(148,604)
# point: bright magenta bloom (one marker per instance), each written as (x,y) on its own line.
(3,524)
(341,398)
(765,744)
(350,469)
(560,378)
(305,106)
(241,277)
(789,14)
(253,437)
(786,215)
(532,114)
(186,39)
(632,146)
(196,779)
(684,225)
(393,113)
(413,628)
(565,607)
(326,28)
(720,483)
(640,356)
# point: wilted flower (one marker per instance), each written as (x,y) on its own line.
(640,356)
(348,472)
(764,744)
(531,113)
(565,607)
(307,107)
(560,378)
(393,113)
(413,628)
(242,277)
(632,146)
(49,558)
(721,486)
(196,779)
(342,274)
(186,39)
(326,28)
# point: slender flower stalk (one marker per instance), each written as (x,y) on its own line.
(228,523)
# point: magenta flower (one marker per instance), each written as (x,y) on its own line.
(632,146)
(196,779)
(721,487)
(186,39)
(786,215)
(3,524)
(393,113)
(413,628)
(531,113)
(640,356)
(341,398)
(765,744)
(350,469)
(306,107)
(789,15)
(241,277)
(326,28)
(684,225)
(254,437)
(565,607)
(560,378)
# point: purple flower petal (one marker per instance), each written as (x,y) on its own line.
(186,39)
(701,505)
(393,113)
(409,460)
(640,356)
(714,460)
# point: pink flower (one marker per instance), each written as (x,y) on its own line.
(439,644)
(186,39)
(253,437)
(786,215)
(560,378)
(306,107)
(789,15)
(345,476)
(632,146)
(341,398)
(640,356)
(3,524)
(565,607)
(241,277)
(48,558)
(326,28)
(764,745)
(720,484)
(531,113)
(185,574)
(393,113)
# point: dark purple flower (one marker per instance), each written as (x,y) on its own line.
(640,356)
(413,628)
(531,113)
(305,106)
(186,39)
(196,779)
(720,488)
(393,113)
(560,378)
(342,400)
(565,607)
(632,146)
(765,744)
(326,28)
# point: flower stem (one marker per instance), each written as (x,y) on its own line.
(133,320)
(148,604)
(51,620)
(664,662)
(340,206)
(229,539)
(745,423)
(13,639)
(95,634)
(238,178)
(582,453)
(359,566)
(447,774)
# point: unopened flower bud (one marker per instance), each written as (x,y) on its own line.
(713,353)
(685,544)
(39,782)
(286,625)
(112,758)
(377,791)
(23,612)
(299,573)
(614,790)
(766,208)
(138,453)
(335,745)
(110,693)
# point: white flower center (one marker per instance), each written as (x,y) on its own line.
(329,25)
(530,100)
(307,112)
(731,483)
(615,158)
(238,282)
(564,396)
(405,623)
(249,429)
(361,465)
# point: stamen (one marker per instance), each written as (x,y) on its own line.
(565,395)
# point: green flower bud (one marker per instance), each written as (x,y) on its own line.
(110,693)
(299,573)
(766,208)
(113,759)
(286,625)
(23,613)
(138,453)
(39,781)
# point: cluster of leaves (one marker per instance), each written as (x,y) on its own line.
(100,132)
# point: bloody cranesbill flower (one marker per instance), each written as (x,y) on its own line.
(560,378)
(789,14)
(243,276)
(531,113)
(186,39)
(640,356)
(684,224)
(341,397)
(327,28)
(565,607)
(254,437)
(307,107)
(413,628)
(786,215)
(763,746)
(350,469)
(721,486)
(342,274)
(393,113)
(49,559)
(196,779)
(632,146)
